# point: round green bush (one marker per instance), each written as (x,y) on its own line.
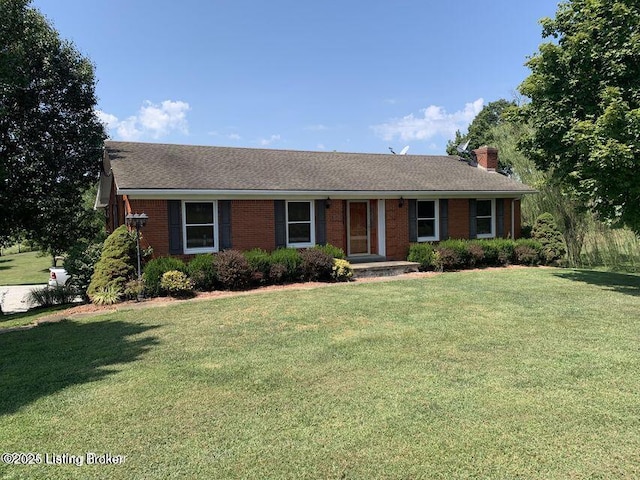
(260,264)
(202,272)
(154,270)
(331,250)
(422,253)
(290,258)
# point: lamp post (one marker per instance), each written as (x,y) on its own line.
(137,220)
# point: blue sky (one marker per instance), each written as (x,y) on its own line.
(343,75)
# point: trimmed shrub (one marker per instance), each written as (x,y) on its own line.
(278,273)
(505,247)
(260,264)
(546,232)
(422,253)
(233,270)
(453,254)
(176,283)
(447,259)
(290,258)
(154,270)
(49,296)
(335,252)
(117,264)
(202,271)
(475,254)
(498,252)
(341,271)
(317,265)
(527,252)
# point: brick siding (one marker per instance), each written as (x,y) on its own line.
(397,229)
(459,218)
(156,231)
(253,224)
(336,218)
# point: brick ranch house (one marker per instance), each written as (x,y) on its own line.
(205,199)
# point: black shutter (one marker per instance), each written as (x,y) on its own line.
(281,222)
(473,223)
(413,220)
(224,216)
(321,222)
(174,208)
(500,217)
(444,219)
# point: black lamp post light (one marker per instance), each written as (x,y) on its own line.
(137,220)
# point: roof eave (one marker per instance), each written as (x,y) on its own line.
(185,194)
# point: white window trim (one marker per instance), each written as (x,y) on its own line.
(312,221)
(493,219)
(216,238)
(436,220)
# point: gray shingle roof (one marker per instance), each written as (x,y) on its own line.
(150,166)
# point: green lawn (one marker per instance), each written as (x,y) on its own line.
(27,318)
(24,269)
(520,373)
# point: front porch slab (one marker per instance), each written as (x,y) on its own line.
(383,269)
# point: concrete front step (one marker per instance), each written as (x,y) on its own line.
(383,269)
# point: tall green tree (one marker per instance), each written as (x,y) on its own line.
(480,128)
(50,137)
(584,89)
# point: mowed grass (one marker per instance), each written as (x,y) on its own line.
(519,373)
(24,268)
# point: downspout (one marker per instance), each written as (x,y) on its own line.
(513,218)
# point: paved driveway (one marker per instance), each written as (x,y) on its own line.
(14,299)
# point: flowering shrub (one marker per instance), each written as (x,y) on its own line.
(341,271)
(176,283)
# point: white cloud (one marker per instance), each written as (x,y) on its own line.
(110,121)
(234,136)
(434,121)
(152,120)
(268,141)
(321,146)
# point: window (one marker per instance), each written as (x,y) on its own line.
(427,220)
(200,226)
(485,218)
(300,231)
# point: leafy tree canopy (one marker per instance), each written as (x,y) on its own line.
(480,129)
(584,89)
(50,137)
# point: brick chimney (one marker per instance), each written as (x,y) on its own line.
(487,158)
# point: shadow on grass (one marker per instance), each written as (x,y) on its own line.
(9,320)
(41,361)
(618,282)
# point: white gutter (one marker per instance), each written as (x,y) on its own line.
(181,194)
